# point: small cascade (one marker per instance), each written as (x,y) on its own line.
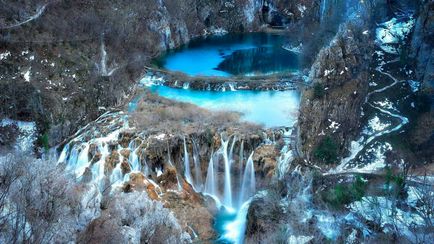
(286,155)
(169,158)
(227,195)
(83,159)
(73,157)
(231,152)
(116,176)
(322,10)
(248,186)
(134,159)
(197,168)
(179,183)
(187,173)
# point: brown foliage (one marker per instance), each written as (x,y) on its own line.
(157,114)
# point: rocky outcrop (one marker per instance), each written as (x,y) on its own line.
(332,107)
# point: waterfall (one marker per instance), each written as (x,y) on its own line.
(197,169)
(241,160)
(227,196)
(187,173)
(72,159)
(169,159)
(249,183)
(286,154)
(322,10)
(211,178)
(134,160)
(231,152)
(116,175)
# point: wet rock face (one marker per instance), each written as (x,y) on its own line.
(422,45)
(332,107)
(422,50)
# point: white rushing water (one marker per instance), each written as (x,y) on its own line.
(248,186)
(187,173)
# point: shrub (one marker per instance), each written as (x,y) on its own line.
(341,194)
(318,90)
(44,142)
(327,150)
(397,181)
(158,114)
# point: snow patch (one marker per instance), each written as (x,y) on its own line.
(5,55)
(301,9)
(376,125)
(383,211)
(393,32)
(334,126)
(26,136)
(27,75)
(414,85)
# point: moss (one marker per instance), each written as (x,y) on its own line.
(318,90)
(44,141)
(341,194)
(327,150)
(396,181)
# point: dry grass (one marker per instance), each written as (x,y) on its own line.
(157,114)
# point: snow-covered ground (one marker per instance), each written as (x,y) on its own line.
(392,33)
(26,133)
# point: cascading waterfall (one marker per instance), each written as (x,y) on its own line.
(76,154)
(232,218)
(246,183)
(79,155)
(134,159)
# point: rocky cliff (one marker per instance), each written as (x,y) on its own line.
(332,107)
(422,50)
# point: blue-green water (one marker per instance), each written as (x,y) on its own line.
(268,108)
(231,54)
(222,219)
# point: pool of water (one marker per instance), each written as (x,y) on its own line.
(268,108)
(231,225)
(231,55)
